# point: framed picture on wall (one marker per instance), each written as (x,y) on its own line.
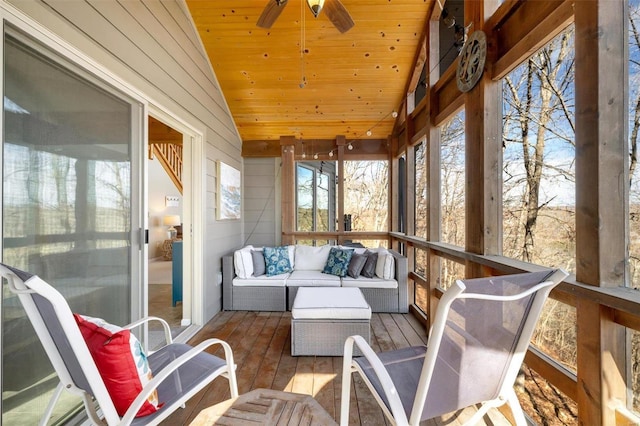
(229,193)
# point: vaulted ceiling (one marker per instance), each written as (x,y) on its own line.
(304,78)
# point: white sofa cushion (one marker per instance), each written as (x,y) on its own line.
(262,280)
(312,279)
(358,250)
(292,255)
(330,303)
(310,258)
(243,262)
(363,282)
(385,268)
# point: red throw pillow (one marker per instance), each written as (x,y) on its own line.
(121,362)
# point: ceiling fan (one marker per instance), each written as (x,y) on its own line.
(334,10)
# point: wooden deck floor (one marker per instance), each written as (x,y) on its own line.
(261,343)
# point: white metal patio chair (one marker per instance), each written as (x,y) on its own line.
(478,340)
(179,370)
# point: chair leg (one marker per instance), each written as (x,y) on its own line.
(346,383)
(516,409)
(233,382)
(345,398)
(52,403)
(90,408)
(484,408)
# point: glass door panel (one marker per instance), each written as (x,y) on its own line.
(315,198)
(68,210)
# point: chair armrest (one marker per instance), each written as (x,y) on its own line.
(172,367)
(385,379)
(167,330)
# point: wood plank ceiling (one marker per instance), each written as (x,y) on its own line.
(354,81)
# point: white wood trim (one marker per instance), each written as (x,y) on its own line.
(193,178)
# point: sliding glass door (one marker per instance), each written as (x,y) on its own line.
(71,206)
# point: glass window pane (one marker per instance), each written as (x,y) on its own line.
(366,194)
(556,333)
(539,157)
(634,192)
(315,198)
(421,190)
(450,271)
(66,209)
(634,141)
(305,199)
(421,292)
(543,403)
(322,202)
(452,178)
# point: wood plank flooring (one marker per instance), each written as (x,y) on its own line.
(261,343)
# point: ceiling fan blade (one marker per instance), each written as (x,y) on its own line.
(271,11)
(338,15)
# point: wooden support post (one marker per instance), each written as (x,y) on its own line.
(483,153)
(601,200)
(288,188)
(340,143)
(433,158)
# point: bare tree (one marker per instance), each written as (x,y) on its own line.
(452,178)
(539,217)
(366,194)
(538,109)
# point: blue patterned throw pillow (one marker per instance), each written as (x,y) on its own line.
(338,261)
(277,260)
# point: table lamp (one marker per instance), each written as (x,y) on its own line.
(171,221)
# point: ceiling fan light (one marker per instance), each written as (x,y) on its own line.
(315,6)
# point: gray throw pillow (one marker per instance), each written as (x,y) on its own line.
(369,269)
(356,264)
(259,268)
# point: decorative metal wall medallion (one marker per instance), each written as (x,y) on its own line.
(471,61)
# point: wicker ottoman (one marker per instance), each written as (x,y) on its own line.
(323,317)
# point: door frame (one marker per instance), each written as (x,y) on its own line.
(193,196)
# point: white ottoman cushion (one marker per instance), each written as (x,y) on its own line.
(330,303)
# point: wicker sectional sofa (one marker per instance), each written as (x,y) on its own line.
(242,290)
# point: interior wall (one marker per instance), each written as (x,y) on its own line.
(154,48)
(160,186)
(260,188)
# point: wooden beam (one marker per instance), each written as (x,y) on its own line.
(520,28)
(341,142)
(362,148)
(419,63)
(418,122)
(261,149)
(433,163)
(552,371)
(446,99)
(601,91)
(352,235)
(288,188)
(483,154)
(162,133)
(394,198)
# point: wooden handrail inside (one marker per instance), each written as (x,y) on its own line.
(170,156)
